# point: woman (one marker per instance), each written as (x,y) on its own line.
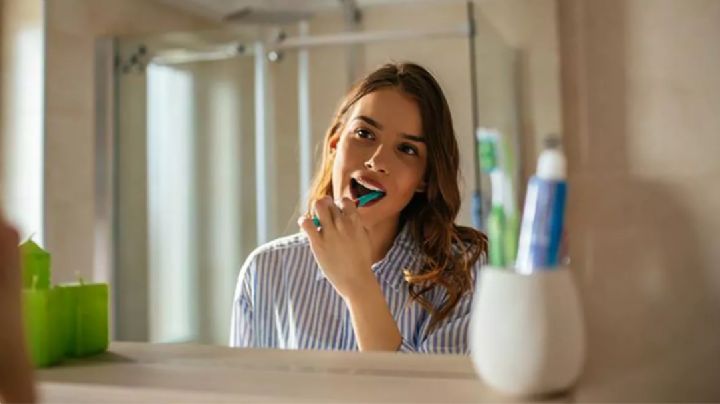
(394,274)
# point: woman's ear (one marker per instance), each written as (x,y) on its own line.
(421,188)
(333,143)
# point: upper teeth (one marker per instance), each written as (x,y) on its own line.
(368,186)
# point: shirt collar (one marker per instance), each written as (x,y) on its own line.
(401,256)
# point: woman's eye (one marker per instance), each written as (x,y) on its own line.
(407,149)
(364,133)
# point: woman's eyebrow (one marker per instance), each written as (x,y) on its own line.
(414,138)
(369,121)
(379,126)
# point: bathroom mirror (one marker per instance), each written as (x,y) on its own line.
(214,131)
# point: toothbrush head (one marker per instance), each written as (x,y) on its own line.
(367,198)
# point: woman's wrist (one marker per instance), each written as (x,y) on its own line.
(358,289)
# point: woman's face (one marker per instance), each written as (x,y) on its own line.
(381,147)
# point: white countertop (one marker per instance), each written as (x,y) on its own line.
(200,373)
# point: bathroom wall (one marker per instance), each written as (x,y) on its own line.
(641,98)
(21,114)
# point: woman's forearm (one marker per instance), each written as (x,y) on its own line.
(374,326)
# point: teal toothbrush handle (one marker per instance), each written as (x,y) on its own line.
(362,201)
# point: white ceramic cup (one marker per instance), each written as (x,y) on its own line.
(527,332)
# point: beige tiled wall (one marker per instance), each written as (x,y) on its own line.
(72,26)
(642,112)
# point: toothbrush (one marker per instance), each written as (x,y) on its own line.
(362,201)
(490,163)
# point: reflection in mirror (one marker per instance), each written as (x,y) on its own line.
(220,131)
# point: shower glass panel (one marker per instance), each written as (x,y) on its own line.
(186,215)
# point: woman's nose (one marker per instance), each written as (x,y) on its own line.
(378,162)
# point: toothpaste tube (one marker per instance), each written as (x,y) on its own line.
(543,215)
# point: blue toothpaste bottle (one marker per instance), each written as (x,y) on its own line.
(544,213)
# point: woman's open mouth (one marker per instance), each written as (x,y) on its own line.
(359,190)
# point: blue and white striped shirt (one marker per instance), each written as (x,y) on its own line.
(283,300)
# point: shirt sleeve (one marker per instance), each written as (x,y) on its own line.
(242,334)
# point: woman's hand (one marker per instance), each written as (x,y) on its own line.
(341,246)
(16,379)
(343,249)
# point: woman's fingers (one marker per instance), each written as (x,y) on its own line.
(324,210)
(335,216)
(307,225)
(349,221)
(349,209)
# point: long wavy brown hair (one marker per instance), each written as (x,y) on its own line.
(449,251)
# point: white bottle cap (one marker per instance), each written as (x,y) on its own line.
(551,165)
